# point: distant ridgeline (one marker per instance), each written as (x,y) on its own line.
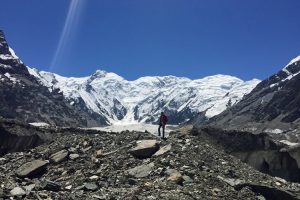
(24,98)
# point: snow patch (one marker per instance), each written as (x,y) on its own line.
(289,143)
(13,79)
(153,129)
(274,131)
(39,124)
(13,54)
(297,59)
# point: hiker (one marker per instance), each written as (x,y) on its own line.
(163,119)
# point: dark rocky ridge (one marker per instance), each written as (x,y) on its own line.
(258,150)
(23,98)
(16,136)
(98,165)
(273,104)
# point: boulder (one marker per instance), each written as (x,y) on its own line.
(59,156)
(31,168)
(141,171)
(144,148)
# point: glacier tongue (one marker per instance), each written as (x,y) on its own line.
(127,102)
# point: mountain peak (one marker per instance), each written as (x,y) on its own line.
(292,67)
(100,72)
(294,60)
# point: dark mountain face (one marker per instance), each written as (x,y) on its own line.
(22,97)
(273,103)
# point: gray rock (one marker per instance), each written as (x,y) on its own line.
(187,179)
(90,186)
(50,186)
(171,171)
(29,188)
(17,191)
(59,156)
(141,171)
(144,148)
(230,181)
(163,150)
(73,156)
(31,168)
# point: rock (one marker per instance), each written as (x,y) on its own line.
(59,156)
(163,150)
(86,149)
(72,150)
(90,186)
(269,192)
(69,187)
(231,181)
(73,156)
(99,197)
(17,191)
(175,177)
(187,179)
(31,168)
(50,186)
(141,171)
(216,191)
(132,181)
(281,180)
(99,153)
(94,177)
(29,188)
(144,148)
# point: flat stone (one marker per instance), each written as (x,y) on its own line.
(230,181)
(171,171)
(50,186)
(31,168)
(86,149)
(145,148)
(69,187)
(90,186)
(59,156)
(163,150)
(141,171)
(17,191)
(187,179)
(73,156)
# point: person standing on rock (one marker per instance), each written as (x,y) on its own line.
(163,119)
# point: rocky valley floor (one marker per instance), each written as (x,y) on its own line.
(82,164)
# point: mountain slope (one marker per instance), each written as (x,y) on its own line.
(22,97)
(273,103)
(142,100)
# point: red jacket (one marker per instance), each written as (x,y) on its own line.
(163,119)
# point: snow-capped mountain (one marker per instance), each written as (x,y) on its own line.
(142,100)
(273,104)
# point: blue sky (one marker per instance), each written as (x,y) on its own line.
(133,38)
